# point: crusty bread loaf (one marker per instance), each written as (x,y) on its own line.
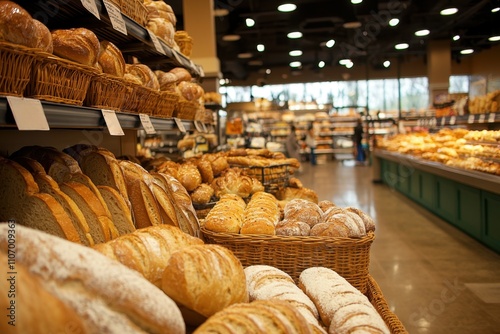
(202,194)
(16,25)
(190,91)
(293,228)
(111,59)
(343,308)
(367,220)
(206,172)
(259,317)
(303,211)
(269,283)
(288,193)
(166,80)
(144,75)
(120,212)
(334,228)
(326,204)
(106,295)
(160,9)
(20,200)
(189,176)
(227,215)
(77,44)
(165,205)
(233,182)
(205,279)
(181,73)
(35,310)
(163,29)
(43,37)
(262,214)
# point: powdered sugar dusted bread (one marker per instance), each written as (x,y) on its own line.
(108,297)
(343,308)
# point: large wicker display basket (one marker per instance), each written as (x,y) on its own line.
(272,177)
(186,110)
(15,68)
(106,92)
(166,104)
(349,257)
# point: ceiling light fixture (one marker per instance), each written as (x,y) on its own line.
(449,11)
(401,46)
(330,43)
(349,65)
(295,53)
(393,22)
(356,2)
(268,71)
(456,37)
(467,51)
(295,64)
(321,64)
(222,81)
(423,32)
(294,34)
(245,55)
(287,7)
(494,39)
(344,61)
(496,9)
(387,63)
(352,25)
(250,22)
(231,38)
(260,47)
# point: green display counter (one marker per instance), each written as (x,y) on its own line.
(469,200)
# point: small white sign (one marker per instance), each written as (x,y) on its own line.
(28,114)
(112,122)
(481,119)
(443,121)
(453,120)
(115,15)
(205,129)
(156,42)
(146,124)
(91,6)
(177,57)
(491,118)
(471,119)
(180,125)
(199,126)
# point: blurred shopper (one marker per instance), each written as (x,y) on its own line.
(311,144)
(357,139)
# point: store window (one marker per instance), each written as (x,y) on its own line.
(414,94)
(459,84)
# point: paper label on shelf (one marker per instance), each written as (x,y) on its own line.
(443,121)
(177,57)
(180,125)
(419,122)
(199,126)
(471,119)
(91,6)
(112,122)
(491,118)
(146,124)
(115,15)
(28,113)
(202,73)
(453,120)
(205,130)
(481,118)
(156,42)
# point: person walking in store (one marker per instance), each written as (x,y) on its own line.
(311,143)
(292,145)
(359,152)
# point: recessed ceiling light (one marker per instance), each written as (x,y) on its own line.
(456,37)
(344,61)
(218,12)
(268,71)
(449,11)
(231,38)
(387,63)
(352,25)
(467,51)
(330,43)
(287,7)
(295,64)
(222,81)
(349,65)
(321,64)
(295,53)
(250,22)
(393,22)
(423,32)
(294,34)
(255,62)
(260,47)
(245,55)
(494,39)
(496,9)
(355,2)
(401,46)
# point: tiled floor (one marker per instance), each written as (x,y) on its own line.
(434,277)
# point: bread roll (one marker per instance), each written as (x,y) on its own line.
(367,220)
(287,194)
(205,279)
(292,228)
(227,215)
(163,29)
(43,37)
(77,44)
(334,228)
(203,194)
(189,176)
(342,307)
(181,73)
(111,59)
(232,182)
(144,75)
(160,9)
(16,25)
(325,205)
(206,172)
(166,80)
(190,91)
(303,211)
(107,296)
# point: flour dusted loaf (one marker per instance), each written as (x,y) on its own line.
(227,215)
(342,308)
(107,296)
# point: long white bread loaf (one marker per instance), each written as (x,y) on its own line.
(342,307)
(257,317)
(269,283)
(108,297)
(205,279)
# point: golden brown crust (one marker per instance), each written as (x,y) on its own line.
(16,25)
(287,194)
(166,80)
(77,44)
(111,59)
(181,73)
(43,37)
(144,75)
(189,176)
(227,215)
(203,194)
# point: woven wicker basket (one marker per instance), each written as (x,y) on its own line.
(186,110)
(378,301)
(140,99)
(272,178)
(166,104)
(106,91)
(59,80)
(15,68)
(349,257)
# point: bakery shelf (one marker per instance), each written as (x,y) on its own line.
(63,116)
(433,121)
(57,14)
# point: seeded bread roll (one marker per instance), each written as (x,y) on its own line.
(202,194)
(77,44)
(227,215)
(262,214)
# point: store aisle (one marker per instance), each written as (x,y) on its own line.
(434,277)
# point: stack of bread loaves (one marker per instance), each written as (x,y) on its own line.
(161,20)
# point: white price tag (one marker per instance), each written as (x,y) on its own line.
(433,122)
(180,125)
(156,42)
(205,130)
(115,15)
(419,122)
(28,113)
(91,7)
(471,119)
(453,120)
(491,118)
(199,126)
(146,124)
(443,121)
(481,118)
(177,57)
(112,122)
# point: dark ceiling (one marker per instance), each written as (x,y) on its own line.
(321,20)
